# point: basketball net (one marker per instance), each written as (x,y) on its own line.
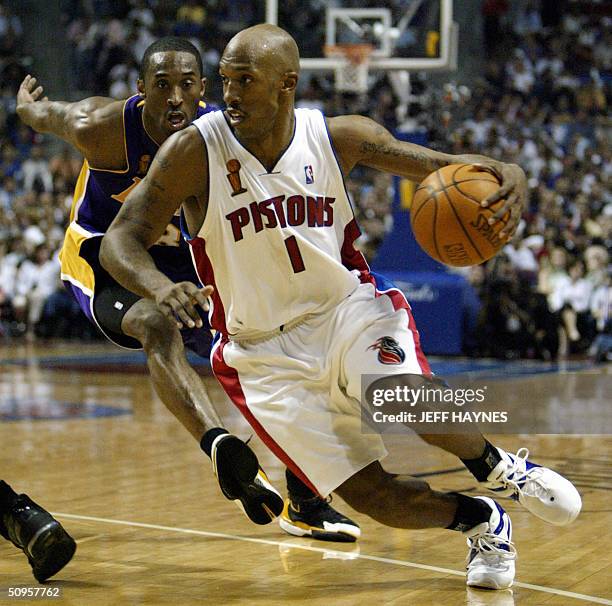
(352,75)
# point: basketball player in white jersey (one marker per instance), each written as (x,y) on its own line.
(299,317)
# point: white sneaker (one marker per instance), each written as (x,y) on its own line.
(492,554)
(542,491)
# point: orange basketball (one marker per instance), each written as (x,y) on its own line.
(447,219)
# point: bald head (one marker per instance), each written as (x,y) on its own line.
(265,45)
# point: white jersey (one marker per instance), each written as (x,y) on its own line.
(276,245)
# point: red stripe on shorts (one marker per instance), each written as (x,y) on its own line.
(230,381)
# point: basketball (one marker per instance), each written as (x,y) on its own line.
(447,220)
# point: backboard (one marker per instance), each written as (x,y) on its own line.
(408,35)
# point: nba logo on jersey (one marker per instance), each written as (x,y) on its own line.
(309,174)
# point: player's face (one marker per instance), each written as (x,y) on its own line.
(251,92)
(173,87)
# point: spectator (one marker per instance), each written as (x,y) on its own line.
(37,279)
(574,297)
(11,32)
(36,173)
(190,19)
(553,278)
(10,166)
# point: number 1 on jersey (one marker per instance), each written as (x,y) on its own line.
(295,256)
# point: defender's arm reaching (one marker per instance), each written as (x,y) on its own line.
(94,125)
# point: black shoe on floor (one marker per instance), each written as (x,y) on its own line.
(243,481)
(316,518)
(39,535)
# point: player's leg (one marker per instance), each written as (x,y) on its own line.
(36,532)
(175,381)
(123,315)
(542,491)
(404,502)
(282,386)
(305,512)
(131,322)
(234,463)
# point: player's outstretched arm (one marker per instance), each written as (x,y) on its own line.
(178,173)
(93,125)
(360,140)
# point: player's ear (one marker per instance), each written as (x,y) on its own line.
(202,87)
(141,87)
(290,80)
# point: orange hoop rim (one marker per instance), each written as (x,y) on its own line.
(355,53)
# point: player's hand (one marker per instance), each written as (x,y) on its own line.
(178,303)
(513,190)
(28,91)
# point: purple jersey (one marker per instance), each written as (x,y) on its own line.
(98,197)
(100,193)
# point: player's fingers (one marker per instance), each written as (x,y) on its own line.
(173,309)
(185,317)
(31,83)
(36,93)
(509,228)
(513,222)
(196,297)
(168,311)
(487,168)
(501,212)
(186,306)
(200,297)
(497,195)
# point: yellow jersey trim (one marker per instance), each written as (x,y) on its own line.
(79,191)
(74,268)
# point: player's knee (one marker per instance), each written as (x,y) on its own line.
(155,331)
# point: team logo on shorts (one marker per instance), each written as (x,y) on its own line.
(389,351)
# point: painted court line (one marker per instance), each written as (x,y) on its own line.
(232,537)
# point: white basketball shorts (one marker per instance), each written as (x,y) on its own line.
(300,390)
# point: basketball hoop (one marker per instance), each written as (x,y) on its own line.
(352,75)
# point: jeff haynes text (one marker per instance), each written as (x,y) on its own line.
(441,416)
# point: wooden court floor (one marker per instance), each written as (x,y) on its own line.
(100,451)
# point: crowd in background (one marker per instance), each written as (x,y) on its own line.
(542,103)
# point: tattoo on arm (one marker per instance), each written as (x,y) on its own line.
(137,221)
(157,185)
(162,163)
(375,149)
